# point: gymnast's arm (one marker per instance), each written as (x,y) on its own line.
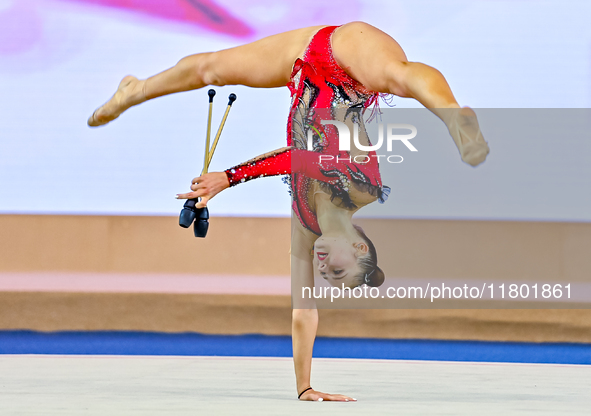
(304,322)
(304,313)
(277,162)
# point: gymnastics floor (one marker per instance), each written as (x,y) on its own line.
(184,385)
(100,348)
(133,373)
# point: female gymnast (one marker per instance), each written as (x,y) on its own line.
(327,68)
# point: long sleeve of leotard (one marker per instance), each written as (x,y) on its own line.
(273,163)
(288,160)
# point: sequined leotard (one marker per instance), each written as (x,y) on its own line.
(320,90)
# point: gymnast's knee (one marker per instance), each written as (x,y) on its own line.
(204,69)
(396,77)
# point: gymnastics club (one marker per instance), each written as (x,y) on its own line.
(189,213)
(207,159)
(200,216)
(201,224)
(231,99)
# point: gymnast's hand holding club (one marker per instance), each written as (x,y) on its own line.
(207,185)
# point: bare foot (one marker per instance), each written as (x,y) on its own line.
(465,131)
(128,94)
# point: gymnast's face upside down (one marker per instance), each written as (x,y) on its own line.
(337,259)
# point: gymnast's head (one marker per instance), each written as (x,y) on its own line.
(347,260)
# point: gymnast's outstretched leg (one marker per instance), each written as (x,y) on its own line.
(369,55)
(266,63)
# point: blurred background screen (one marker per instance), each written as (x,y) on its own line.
(60,59)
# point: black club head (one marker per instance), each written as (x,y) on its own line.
(187,217)
(201,224)
(200,228)
(203,213)
(188,213)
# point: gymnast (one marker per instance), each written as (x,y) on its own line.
(332,73)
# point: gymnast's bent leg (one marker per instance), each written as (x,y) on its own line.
(376,60)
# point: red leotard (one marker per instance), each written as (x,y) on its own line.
(320,90)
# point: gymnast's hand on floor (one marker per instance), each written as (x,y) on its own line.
(206,187)
(316,396)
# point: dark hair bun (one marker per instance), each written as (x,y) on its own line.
(376,278)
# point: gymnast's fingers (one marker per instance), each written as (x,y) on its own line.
(196,186)
(202,203)
(341,397)
(190,195)
(336,398)
(316,396)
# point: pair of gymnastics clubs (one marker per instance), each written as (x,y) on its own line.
(199,217)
